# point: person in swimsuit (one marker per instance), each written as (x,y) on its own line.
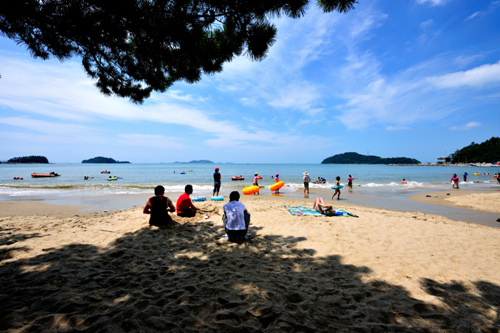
(276,180)
(321,207)
(256,181)
(349,181)
(337,189)
(454,180)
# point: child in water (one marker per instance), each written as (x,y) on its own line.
(337,188)
(276,180)
(256,181)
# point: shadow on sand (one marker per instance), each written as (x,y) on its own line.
(187,278)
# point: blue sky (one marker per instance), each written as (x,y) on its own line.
(413,78)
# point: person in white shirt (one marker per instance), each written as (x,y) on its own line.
(236,219)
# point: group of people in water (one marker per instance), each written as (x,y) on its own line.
(455,180)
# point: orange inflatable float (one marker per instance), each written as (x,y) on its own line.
(277,186)
(251,189)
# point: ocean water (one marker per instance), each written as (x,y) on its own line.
(142,178)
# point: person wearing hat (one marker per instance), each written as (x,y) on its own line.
(256,180)
(307,179)
(276,180)
(217,182)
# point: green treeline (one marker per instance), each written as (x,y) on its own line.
(488,151)
(355,158)
(29,159)
(100,159)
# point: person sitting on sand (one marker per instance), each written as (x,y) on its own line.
(321,207)
(236,218)
(158,207)
(454,180)
(185,207)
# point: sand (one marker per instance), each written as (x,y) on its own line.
(473,200)
(382,272)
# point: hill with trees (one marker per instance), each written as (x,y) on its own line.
(355,158)
(100,159)
(488,151)
(195,161)
(29,159)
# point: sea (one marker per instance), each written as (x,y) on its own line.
(374,185)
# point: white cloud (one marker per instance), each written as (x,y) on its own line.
(151,141)
(46,127)
(432,2)
(480,13)
(426,24)
(467,126)
(397,128)
(476,77)
(64,94)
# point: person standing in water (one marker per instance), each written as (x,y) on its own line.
(306,180)
(276,180)
(349,181)
(256,180)
(217,182)
(454,180)
(337,189)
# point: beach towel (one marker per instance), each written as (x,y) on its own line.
(308,211)
(302,211)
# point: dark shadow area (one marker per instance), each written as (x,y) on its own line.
(8,236)
(187,278)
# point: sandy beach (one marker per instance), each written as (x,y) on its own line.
(66,270)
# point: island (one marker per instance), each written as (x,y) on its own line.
(195,161)
(355,158)
(29,159)
(100,159)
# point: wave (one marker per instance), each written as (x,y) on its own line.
(78,189)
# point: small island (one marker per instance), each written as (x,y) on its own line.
(29,160)
(195,161)
(100,159)
(355,158)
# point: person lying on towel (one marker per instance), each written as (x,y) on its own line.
(321,207)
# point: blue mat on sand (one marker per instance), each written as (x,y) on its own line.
(308,211)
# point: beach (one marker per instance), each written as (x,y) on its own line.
(64,269)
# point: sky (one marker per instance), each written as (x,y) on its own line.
(405,78)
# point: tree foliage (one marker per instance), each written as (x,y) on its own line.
(29,159)
(488,151)
(101,159)
(355,158)
(134,47)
